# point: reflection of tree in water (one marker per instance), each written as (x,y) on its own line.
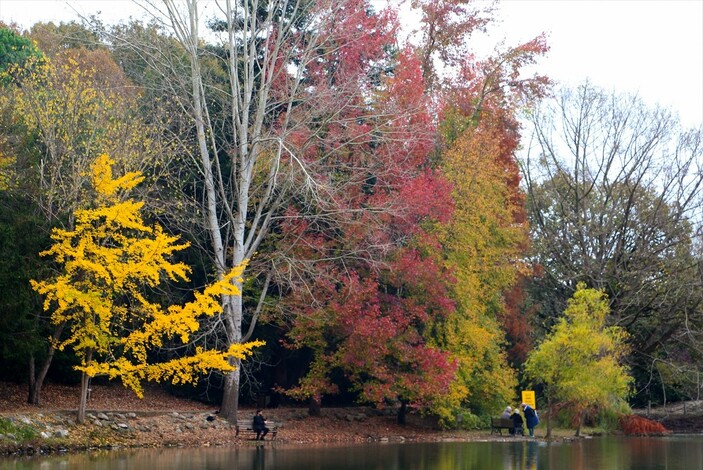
(522,456)
(531,461)
(612,452)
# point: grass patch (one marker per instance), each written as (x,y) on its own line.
(21,432)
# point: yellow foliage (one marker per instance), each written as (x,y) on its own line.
(107,259)
(484,241)
(483,246)
(581,360)
(77,104)
(106,185)
(6,174)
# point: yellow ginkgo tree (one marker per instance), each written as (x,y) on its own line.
(580,363)
(109,262)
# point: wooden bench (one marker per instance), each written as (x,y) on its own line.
(498,424)
(245,425)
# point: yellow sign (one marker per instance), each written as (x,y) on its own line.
(528,397)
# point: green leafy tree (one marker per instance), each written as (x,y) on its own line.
(580,361)
(15,52)
(109,263)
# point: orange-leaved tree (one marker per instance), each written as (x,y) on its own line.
(109,262)
(484,244)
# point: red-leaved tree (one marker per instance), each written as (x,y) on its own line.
(376,282)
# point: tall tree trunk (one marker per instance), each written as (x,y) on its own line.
(402,412)
(549,417)
(85,380)
(37,381)
(233,324)
(315,406)
(230,397)
(186,30)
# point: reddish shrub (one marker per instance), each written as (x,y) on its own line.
(639,426)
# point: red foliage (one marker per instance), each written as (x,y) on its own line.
(360,275)
(516,323)
(498,82)
(446,27)
(634,425)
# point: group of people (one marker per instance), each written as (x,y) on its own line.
(531,419)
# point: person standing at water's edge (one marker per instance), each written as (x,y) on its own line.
(531,419)
(259,426)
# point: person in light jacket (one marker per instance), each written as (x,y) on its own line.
(507,413)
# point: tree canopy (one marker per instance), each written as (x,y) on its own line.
(580,362)
(614,201)
(109,262)
(15,53)
(352,197)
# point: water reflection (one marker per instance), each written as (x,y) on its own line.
(679,452)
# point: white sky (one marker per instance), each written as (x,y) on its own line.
(651,47)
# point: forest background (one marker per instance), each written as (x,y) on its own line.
(395,250)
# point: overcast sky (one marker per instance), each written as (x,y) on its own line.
(650,47)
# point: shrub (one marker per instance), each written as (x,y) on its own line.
(634,425)
(467,420)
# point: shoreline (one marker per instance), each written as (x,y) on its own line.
(58,433)
(117,419)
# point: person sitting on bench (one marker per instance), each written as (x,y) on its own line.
(517,423)
(259,426)
(507,413)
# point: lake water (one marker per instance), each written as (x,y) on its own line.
(621,453)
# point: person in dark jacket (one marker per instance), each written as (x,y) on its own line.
(517,423)
(531,419)
(259,426)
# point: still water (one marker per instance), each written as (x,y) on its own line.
(668,453)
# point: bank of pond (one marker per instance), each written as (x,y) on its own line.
(598,453)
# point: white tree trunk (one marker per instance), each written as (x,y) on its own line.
(243,194)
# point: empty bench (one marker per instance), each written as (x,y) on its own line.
(498,424)
(246,426)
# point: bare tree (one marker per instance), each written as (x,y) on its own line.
(262,101)
(615,201)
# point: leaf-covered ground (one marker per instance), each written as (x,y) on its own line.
(162,419)
(13,398)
